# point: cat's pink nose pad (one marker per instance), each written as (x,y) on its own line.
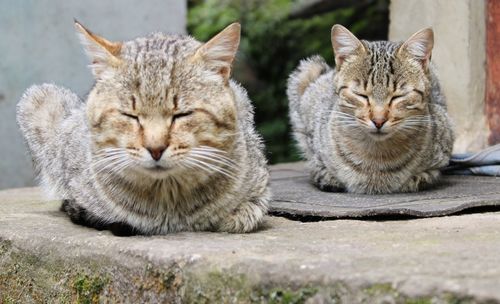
(379,122)
(156,152)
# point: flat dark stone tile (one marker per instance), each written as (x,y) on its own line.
(294,195)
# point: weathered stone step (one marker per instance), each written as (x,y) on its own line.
(46,259)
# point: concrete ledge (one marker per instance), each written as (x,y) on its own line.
(44,258)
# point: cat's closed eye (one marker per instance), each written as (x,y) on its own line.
(130,116)
(396,98)
(360,95)
(355,99)
(406,100)
(182,114)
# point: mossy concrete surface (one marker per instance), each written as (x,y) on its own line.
(46,259)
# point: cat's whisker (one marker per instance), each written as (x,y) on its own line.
(224,162)
(406,128)
(124,166)
(106,150)
(212,154)
(98,162)
(349,125)
(345,119)
(421,115)
(216,167)
(340,123)
(219,160)
(363,122)
(422,124)
(213,167)
(104,162)
(110,164)
(216,156)
(104,153)
(211,149)
(195,165)
(107,156)
(417,119)
(418,125)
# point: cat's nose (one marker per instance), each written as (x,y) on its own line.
(379,122)
(156,152)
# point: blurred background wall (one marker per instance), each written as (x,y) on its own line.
(459,54)
(38,44)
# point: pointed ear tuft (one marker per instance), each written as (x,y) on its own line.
(219,52)
(102,53)
(344,44)
(419,46)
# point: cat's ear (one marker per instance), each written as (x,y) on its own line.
(103,53)
(419,46)
(345,44)
(219,52)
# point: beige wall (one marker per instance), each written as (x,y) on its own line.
(459,54)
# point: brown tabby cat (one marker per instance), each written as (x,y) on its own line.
(165,141)
(377,123)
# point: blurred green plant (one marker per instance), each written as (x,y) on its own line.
(276,35)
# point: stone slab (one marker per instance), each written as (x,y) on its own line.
(294,196)
(44,258)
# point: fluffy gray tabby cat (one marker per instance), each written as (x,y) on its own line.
(375,124)
(164,142)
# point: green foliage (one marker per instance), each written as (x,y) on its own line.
(88,289)
(273,42)
(287,296)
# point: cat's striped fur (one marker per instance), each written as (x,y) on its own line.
(375,124)
(165,141)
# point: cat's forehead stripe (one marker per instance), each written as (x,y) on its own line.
(381,71)
(154,61)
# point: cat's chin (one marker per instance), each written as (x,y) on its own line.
(379,136)
(156,172)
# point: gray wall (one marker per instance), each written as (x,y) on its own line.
(38,44)
(459,54)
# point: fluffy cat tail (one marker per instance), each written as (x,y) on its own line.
(40,112)
(307,72)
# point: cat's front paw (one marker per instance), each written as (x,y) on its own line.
(245,218)
(330,188)
(324,181)
(421,181)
